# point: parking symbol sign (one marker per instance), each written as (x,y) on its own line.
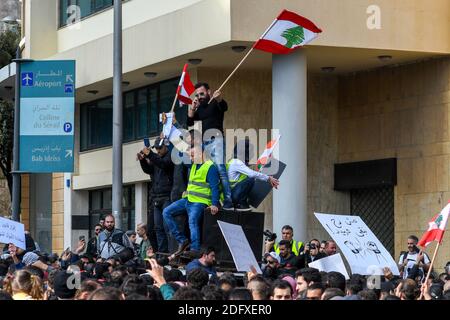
(68,88)
(27,79)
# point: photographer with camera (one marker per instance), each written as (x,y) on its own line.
(287,233)
(160,167)
(414,258)
(312,252)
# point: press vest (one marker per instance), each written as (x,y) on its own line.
(241,178)
(296,247)
(198,190)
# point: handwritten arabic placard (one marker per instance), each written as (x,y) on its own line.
(330,263)
(362,249)
(240,249)
(12,232)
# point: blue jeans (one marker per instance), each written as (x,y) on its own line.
(241,190)
(160,226)
(195,213)
(215,150)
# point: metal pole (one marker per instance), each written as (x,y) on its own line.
(117,117)
(15,174)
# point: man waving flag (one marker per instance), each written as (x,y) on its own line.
(287,33)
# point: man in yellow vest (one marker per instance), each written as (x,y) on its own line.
(242,178)
(203,192)
(287,233)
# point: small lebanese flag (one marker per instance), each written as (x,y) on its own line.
(185,87)
(287,33)
(436,228)
(267,154)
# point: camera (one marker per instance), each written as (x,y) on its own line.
(270,236)
(312,246)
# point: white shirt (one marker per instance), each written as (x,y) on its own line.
(237,167)
(412,257)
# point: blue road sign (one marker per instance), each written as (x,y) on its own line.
(47,108)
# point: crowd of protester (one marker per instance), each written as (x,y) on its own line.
(78,275)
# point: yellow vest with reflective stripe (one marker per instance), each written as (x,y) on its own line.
(241,178)
(198,190)
(296,246)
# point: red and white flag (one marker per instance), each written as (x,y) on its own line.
(287,33)
(185,87)
(436,228)
(267,154)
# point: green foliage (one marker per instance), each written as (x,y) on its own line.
(294,36)
(9,40)
(6,139)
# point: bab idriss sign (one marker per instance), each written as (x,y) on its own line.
(47,107)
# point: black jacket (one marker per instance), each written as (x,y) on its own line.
(160,170)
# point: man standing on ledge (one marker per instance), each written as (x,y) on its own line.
(211,115)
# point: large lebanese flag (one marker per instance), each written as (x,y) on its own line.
(436,228)
(185,87)
(287,33)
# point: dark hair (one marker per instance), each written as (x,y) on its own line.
(262,287)
(285,243)
(98,225)
(287,227)
(106,293)
(136,296)
(134,284)
(409,289)
(198,278)
(88,286)
(173,275)
(316,285)
(368,294)
(227,278)
(413,237)
(154,293)
(187,293)
(331,293)
(336,280)
(5,295)
(202,84)
(391,297)
(206,250)
(355,284)
(240,294)
(280,284)
(309,274)
(212,292)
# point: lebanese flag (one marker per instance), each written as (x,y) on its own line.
(436,228)
(185,87)
(267,154)
(287,33)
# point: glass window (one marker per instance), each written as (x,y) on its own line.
(128,118)
(86,8)
(97,212)
(141,115)
(142,112)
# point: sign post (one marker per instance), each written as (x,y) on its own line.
(47,112)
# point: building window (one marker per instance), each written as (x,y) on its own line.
(86,8)
(141,109)
(100,204)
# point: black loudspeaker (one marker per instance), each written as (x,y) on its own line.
(252,223)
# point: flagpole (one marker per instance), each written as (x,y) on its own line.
(243,59)
(174,103)
(431,267)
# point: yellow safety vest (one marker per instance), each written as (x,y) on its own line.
(241,178)
(198,190)
(295,248)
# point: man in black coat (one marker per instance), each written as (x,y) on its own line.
(160,167)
